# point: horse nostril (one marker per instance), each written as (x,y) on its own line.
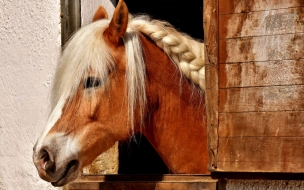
(48,161)
(50,167)
(44,155)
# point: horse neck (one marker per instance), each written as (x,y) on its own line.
(175,125)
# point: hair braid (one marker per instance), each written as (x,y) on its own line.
(179,47)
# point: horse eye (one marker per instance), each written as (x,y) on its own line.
(91,82)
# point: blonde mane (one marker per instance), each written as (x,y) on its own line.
(88,53)
(184,51)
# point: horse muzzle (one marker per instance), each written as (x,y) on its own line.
(55,167)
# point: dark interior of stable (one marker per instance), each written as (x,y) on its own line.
(136,155)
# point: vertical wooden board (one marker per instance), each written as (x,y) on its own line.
(286,72)
(241,6)
(70,19)
(211,58)
(275,98)
(270,22)
(264,48)
(281,153)
(262,124)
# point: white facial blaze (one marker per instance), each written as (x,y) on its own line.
(56,114)
(64,147)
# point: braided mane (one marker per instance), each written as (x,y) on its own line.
(185,52)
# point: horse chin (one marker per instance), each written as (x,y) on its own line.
(69,174)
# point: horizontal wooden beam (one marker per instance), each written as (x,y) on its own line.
(144,182)
(223,176)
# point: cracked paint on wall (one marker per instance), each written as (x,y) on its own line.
(30,46)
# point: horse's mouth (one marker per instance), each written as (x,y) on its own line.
(69,174)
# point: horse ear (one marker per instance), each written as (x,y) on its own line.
(100,13)
(118,24)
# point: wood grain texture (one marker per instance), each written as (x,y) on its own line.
(141,178)
(271,154)
(286,72)
(211,58)
(241,6)
(274,98)
(264,48)
(254,149)
(144,182)
(270,22)
(142,186)
(261,86)
(262,166)
(262,124)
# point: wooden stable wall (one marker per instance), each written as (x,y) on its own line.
(255,85)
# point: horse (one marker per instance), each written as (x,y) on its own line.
(120,76)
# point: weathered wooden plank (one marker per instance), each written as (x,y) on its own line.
(270,22)
(142,178)
(241,6)
(271,154)
(286,72)
(261,121)
(264,48)
(211,58)
(274,98)
(261,166)
(262,124)
(267,149)
(143,186)
(145,182)
(262,175)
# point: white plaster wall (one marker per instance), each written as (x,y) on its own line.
(29,49)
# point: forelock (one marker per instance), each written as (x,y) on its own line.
(85,53)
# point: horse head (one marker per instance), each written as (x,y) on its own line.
(89,100)
(117,77)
